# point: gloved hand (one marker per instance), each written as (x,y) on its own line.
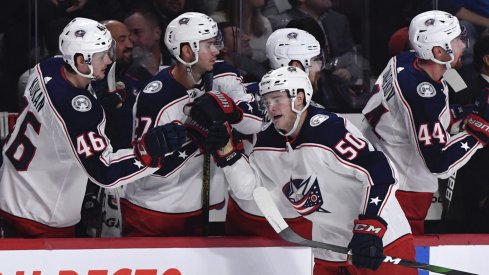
(112,101)
(366,245)
(458,114)
(227,154)
(213,107)
(477,125)
(158,141)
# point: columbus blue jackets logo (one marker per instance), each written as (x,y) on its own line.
(426,89)
(292,35)
(81,103)
(153,87)
(184,21)
(304,195)
(80,33)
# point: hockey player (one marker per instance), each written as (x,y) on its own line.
(328,172)
(408,115)
(58,142)
(169,202)
(285,47)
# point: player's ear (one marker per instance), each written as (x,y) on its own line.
(79,59)
(186,52)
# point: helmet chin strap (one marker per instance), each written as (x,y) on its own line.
(89,76)
(296,123)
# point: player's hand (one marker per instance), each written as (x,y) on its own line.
(477,124)
(366,245)
(224,154)
(213,107)
(158,141)
(112,101)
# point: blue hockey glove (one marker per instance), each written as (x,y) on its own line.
(366,245)
(158,141)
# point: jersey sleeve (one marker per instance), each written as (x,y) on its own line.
(355,156)
(428,121)
(84,123)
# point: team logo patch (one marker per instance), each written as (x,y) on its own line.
(81,103)
(318,119)
(426,89)
(184,21)
(153,87)
(429,22)
(80,33)
(292,35)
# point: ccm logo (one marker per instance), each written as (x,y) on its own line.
(367,228)
(221,97)
(478,124)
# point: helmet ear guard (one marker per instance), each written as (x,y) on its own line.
(288,44)
(85,37)
(433,29)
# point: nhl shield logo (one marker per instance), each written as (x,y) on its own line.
(81,103)
(184,21)
(426,89)
(153,87)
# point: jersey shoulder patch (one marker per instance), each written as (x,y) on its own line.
(318,119)
(426,89)
(153,87)
(81,103)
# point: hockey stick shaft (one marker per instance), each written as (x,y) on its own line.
(273,216)
(208,79)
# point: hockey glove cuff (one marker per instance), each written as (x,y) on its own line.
(366,245)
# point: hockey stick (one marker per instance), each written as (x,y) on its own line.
(273,216)
(208,79)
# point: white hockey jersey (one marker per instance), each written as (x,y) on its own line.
(329,174)
(407,118)
(57,144)
(177,188)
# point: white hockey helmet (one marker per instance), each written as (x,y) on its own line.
(285,45)
(86,37)
(287,79)
(433,28)
(191,28)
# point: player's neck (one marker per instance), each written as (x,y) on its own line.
(299,125)
(180,74)
(434,70)
(76,80)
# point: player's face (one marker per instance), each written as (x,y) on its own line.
(279,110)
(100,61)
(208,51)
(458,46)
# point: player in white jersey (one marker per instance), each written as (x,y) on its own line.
(59,141)
(322,167)
(169,202)
(408,115)
(284,47)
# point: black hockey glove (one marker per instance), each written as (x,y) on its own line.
(112,101)
(366,245)
(477,123)
(213,107)
(228,153)
(158,141)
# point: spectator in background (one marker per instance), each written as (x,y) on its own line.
(249,69)
(145,34)
(254,24)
